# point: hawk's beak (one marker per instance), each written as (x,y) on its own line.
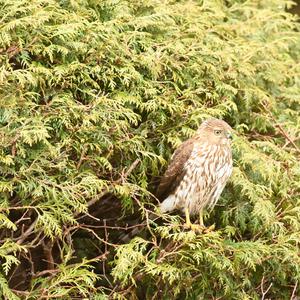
(229,135)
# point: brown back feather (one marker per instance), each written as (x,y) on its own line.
(175,171)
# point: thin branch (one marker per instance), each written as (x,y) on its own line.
(130,169)
(264,293)
(3,209)
(114,227)
(27,233)
(287,136)
(47,247)
(281,129)
(294,291)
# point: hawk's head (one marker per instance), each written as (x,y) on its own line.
(215,132)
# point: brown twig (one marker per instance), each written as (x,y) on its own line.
(92,232)
(2,209)
(47,247)
(281,129)
(287,136)
(129,171)
(27,233)
(294,291)
(264,292)
(115,227)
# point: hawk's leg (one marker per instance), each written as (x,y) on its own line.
(187,218)
(201,218)
(188,224)
(205,229)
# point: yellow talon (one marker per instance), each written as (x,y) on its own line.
(197,227)
(188,224)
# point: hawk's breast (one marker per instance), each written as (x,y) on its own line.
(207,171)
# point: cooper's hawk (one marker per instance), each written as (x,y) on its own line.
(198,171)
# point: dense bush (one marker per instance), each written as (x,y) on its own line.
(95,96)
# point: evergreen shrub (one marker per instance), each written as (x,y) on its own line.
(94,98)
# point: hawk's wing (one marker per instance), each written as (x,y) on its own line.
(175,171)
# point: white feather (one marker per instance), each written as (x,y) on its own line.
(168,204)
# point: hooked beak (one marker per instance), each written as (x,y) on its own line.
(229,135)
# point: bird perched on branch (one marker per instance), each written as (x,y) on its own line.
(198,172)
(196,175)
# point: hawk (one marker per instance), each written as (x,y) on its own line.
(198,172)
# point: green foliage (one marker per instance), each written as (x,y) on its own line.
(95,96)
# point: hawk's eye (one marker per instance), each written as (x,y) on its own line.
(218,132)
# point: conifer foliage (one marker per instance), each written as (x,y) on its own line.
(94,98)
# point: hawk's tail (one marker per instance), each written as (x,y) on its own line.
(168,204)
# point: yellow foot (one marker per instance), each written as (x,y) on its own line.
(199,228)
(195,227)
